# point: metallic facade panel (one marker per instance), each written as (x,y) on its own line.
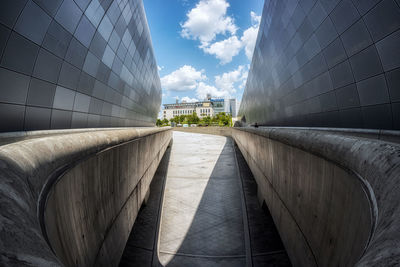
(76,64)
(325,63)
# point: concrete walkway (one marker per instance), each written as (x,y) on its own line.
(202,217)
(210,215)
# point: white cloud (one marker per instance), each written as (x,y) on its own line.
(249,36)
(204,89)
(255,20)
(206,20)
(183,79)
(225,85)
(189,100)
(160,68)
(224,50)
(244,76)
(230,47)
(227,80)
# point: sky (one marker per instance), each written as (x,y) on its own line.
(203,46)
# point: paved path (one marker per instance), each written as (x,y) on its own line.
(209,194)
(202,218)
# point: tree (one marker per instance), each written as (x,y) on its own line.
(207,120)
(165,122)
(159,123)
(196,119)
(175,119)
(182,118)
(192,118)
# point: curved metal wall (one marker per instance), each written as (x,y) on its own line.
(76,64)
(326,63)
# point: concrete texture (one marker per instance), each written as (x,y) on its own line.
(383,135)
(265,243)
(13,137)
(141,247)
(204,221)
(223,131)
(333,197)
(202,218)
(81,190)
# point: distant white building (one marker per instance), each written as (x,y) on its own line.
(205,108)
(232,107)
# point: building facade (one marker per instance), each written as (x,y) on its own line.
(202,109)
(326,64)
(232,109)
(209,107)
(76,64)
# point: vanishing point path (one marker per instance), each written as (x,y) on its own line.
(208,214)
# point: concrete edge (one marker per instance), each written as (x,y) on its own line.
(150,169)
(384,135)
(311,259)
(249,255)
(156,244)
(377,164)
(13,137)
(32,162)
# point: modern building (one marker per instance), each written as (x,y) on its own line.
(205,108)
(202,109)
(76,64)
(326,63)
(232,109)
(219,104)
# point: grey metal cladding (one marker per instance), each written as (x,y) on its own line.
(76,64)
(326,63)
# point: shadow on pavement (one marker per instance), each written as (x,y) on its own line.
(205,225)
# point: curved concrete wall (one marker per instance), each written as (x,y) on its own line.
(76,64)
(71,199)
(326,63)
(333,197)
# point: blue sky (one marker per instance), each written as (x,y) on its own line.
(203,46)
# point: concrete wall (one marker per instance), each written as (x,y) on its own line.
(333,197)
(72,198)
(76,64)
(224,131)
(326,63)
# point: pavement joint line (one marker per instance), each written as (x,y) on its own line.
(201,178)
(268,253)
(228,152)
(195,233)
(199,209)
(198,155)
(202,256)
(147,249)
